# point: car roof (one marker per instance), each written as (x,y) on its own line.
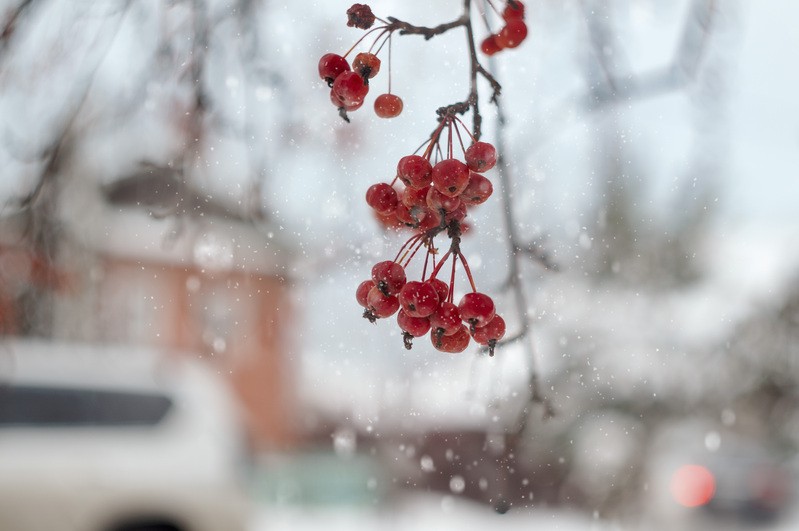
(72,365)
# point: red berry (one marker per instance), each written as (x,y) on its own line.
(512,35)
(382,197)
(447,318)
(389,221)
(362,292)
(489,46)
(380,304)
(481,156)
(438,201)
(441,288)
(493,330)
(411,197)
(341,105)
(431,220)
(476,309)
(511,12)
(388,276)
(415,326)
(454,343)
(450,177)
(350,89)
(360,16)
(331,65)
(478,190)
(409,217)
(388,106)
(456,215)
(418,299)
(366,64)
(414,171)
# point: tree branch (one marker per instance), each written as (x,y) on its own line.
(406,28)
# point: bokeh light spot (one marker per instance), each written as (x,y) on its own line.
(693,485)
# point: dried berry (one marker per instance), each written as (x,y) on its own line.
(360,16)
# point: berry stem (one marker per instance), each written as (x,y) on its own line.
(362,38)
(433,141)
(452,280)
(484,14)
(439,153)
(460,140)
(466,129)
(418,245)
(449,138)
(468,271)
(440,263)
(382,44)
(410,241)
(426,261)
(389,63)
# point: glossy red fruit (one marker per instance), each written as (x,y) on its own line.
(350,89)
(367,65)
(432,220)
(456,215)
(382,197)
(341,105)
(478,190)
(489,46)
(512,12)
(441,287)
(331,65)
(450,177)
(438,201)
(389,277)
(380,304)
(481,156)
(388,106)
(447,318)
(418,299)
(388,221)
(409,217)
(512,35)
(362,292)
(493,330)
(477,309)
(412,197)
(415,326)
(454,343)
(414,171)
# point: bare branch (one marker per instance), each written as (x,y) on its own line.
(9,24)
(405,28)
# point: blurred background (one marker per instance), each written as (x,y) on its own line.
(182,229)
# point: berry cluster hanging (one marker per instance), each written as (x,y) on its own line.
(512,33)
(430,194)
(349,84)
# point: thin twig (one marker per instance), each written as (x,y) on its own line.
(515,283)
(406,28)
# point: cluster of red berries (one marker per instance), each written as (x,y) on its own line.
(512,34)
(433,198)
(430,194)
(434,195)
(426,306)
(349,84)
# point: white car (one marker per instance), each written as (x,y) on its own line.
(116,439)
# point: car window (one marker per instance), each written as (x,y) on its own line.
(65,407)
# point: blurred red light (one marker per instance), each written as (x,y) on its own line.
(693,485)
